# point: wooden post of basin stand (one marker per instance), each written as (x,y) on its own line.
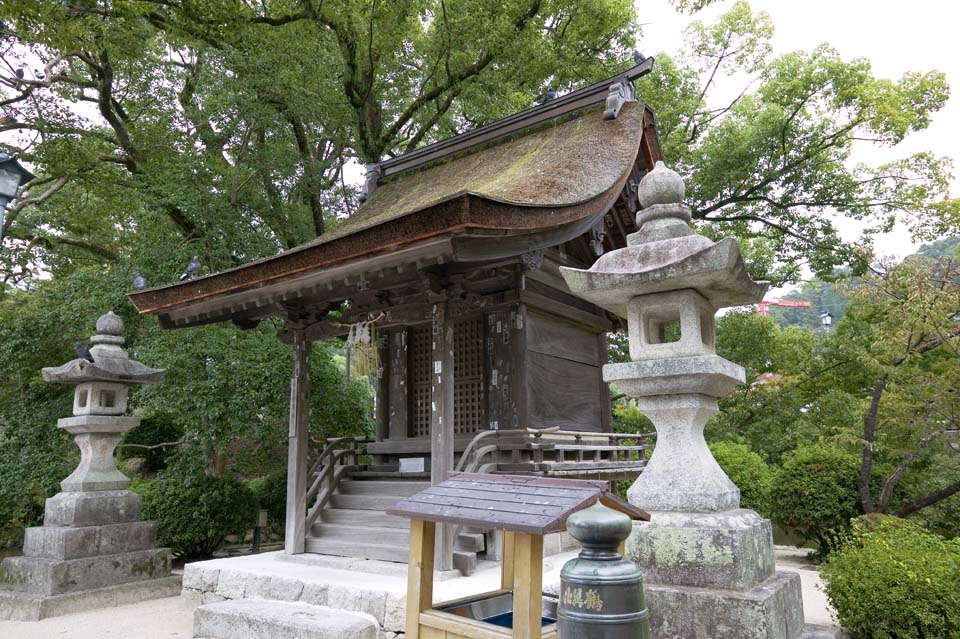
(297,444)
(506,567)
(441,420)
(527,586)
(419,574)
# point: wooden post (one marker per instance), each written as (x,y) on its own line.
(506,574)
(297,444)
(441,420)
(419,574)
(527,586)
(398,393)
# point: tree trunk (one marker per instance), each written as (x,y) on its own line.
(869,435)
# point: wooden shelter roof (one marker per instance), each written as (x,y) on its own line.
(540,177)
(519,503)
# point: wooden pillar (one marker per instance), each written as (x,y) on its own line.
(506,569)
(441,420)
(383,386)
(419,574)
(297,444)
(399,408)
(527,586)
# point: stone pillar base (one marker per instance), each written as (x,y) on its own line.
(45,576)
(711,576)
(772,610)
(23,606)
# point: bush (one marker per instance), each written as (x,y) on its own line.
(158,429)
(893,579)
(194,514)
(748,471)
(815,493)
(270,492)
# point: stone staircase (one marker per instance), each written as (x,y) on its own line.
(354,524)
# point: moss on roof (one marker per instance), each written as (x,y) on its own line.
(561,165)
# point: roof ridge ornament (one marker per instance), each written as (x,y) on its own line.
(618,94)
(373,175)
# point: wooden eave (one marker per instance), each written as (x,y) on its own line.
(518,503)
(471,222)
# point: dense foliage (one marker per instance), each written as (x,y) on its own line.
(815,493)
(194,514)
(892,579)
(749,472)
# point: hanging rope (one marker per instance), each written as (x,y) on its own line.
(362,348)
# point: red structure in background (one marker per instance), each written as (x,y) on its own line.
(763,308)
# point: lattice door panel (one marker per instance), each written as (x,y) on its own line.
(468,402)
(421,351)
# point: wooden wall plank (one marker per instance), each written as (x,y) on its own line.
(563,393)
(550,335)
(297,444)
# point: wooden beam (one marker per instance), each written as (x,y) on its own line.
(527,586)
(297,444)
(419,574)
(441,419)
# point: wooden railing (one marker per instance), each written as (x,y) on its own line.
(486,451)
(338,457)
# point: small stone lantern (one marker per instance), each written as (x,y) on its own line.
(93,550)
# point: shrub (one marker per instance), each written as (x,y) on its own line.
(748,471)
(893,579)
(158,429)
(195,513)
(815,492)
(270,492)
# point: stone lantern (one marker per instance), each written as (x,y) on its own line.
(708,564)
(92,550)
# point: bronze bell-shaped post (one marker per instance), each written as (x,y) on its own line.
(601,593)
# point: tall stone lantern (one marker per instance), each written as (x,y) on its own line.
(708,564)
(92,550)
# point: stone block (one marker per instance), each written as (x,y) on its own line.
(232,584)
(198,576)
(92,509)
(315,594)
(395,613)
(279,620)
(64,542)
(21,606)
(772,610)
(274,588)
(58,576)
(730,550)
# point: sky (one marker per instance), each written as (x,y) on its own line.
(896,37)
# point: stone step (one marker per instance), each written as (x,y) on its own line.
(471,542)
(242,619)
(361,518)
(362,534)
(363,502)
(400,488)
(350,548)
(465,562)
